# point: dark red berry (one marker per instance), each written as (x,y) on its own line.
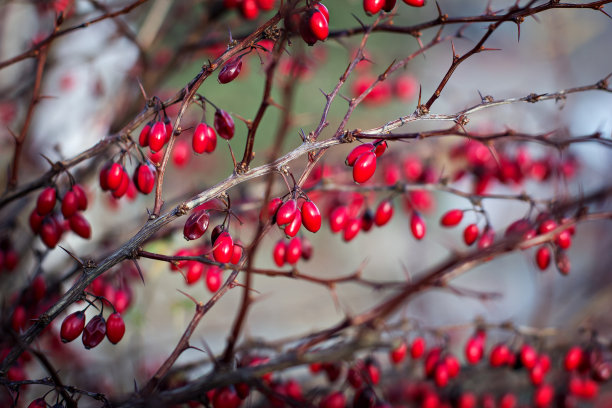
(94,332)
(333,400)
(115,328)
(143,138)
(389,5)
(35,221)
(80,226)
(224,124)
(38,403)
(196,225)
(46,201)
(50,232)
(230,70)
(81,197)
(69,204)
(144,178)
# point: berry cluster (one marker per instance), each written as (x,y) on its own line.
(96,329)
(51,225)
(250,8)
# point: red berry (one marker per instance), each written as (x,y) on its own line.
(35,221)
(249,10)
(564,239)
(38,403)
(470,234)
(80,226)
(311,217)
(69,204)
(114,176)
(157,136)
(373,6)
(543,396)
(294,226)
(236,253)
(384,212)
(202,138)
(499,355)
(380,147)
(333,400)
(143,138)
(351,229)
(573,358)
(398,354)
(322,9)
(356,152)
(123,187)
(294,251)
(194,272)
(213,278)
(508,400)
(466,400)
(338,218)
(452,364)
(319,25)
(417,349)
(364,167)
(80,196)
(415,3)
(279,253)
(224,124)
(441,375)
(216,232)
(474,349)
(562,262)
(94,332)
(537,373)
(46,201)
(486,239)
(451,218)
(226,397)
(417,225)
(547,226)
(231,69)
(115,328)
(144,178)
(50,232)
(305,30)
(266,4)
(286,213)
(543,257)
(306,249)
(223,248)
(180,153)
(196,225)
(529,357)
(19,318)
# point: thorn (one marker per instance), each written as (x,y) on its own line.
(420,44)
(518,29)
(489,49)
(135,386)
(345,98)
(420,91)
(455,56)
(139,270)
(73,256)
(189,297)
(536,18)
(142,90)
(364,26)
(12,134)
(232,153)
(602,10)
(47,159)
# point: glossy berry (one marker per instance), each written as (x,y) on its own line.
(80,226)
(268,212)
(50,232)
(46,201)
(204,139)
(499,355)
(115,328)
(417,225)
(321,7)
(351,229)
(380,147)
(213,278)
(389,5)
(305,30)
(543,257)
(196,225)
(564,239)
(470,234)
(143,138)
(441,375)
(144,178)
(286,212)
(451,218)
(94,332)
(294,226)
(364,167)
(529,356)
(358,151)
(543,395)
(72,326)
(69,204)
(293,251)
(398,354)
(311,217)
(373,6)
(223,248)
(236,253)
(415,3)
(81,197)
(157,136)
(573,358)
(194,272)
(123,186)
(279,253)
(486,239)
(114,176)
(417,348)
(230,70)
(384,212)
(338,219)
(224,124)
(319,25)
(474,349)
(249,9)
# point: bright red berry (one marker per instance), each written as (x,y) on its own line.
(384,212)
(351,229)
(417,349)
(223,248)
(474,349)
(529,356)
(279,253)
(157,136)
(213,278)
(115,328)
(398,354)
(499,355)
(294,226)
(194,272)
(266,4)
(236,253)
(373,6)
(249,10)
(144,178)
(364,167)
(573,358)
(451,218)
(80,226)
(543,257)
(543,395)
(415,3)
(311,217)
(72,326)
(286,213)
(358,151)
(470,234)
(143,138)
(202,137)
(294,251)
(321,7)
(319,25)
(417,225)
(338,218)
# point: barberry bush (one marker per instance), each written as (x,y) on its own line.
(370,203)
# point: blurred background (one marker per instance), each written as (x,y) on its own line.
(91,89)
